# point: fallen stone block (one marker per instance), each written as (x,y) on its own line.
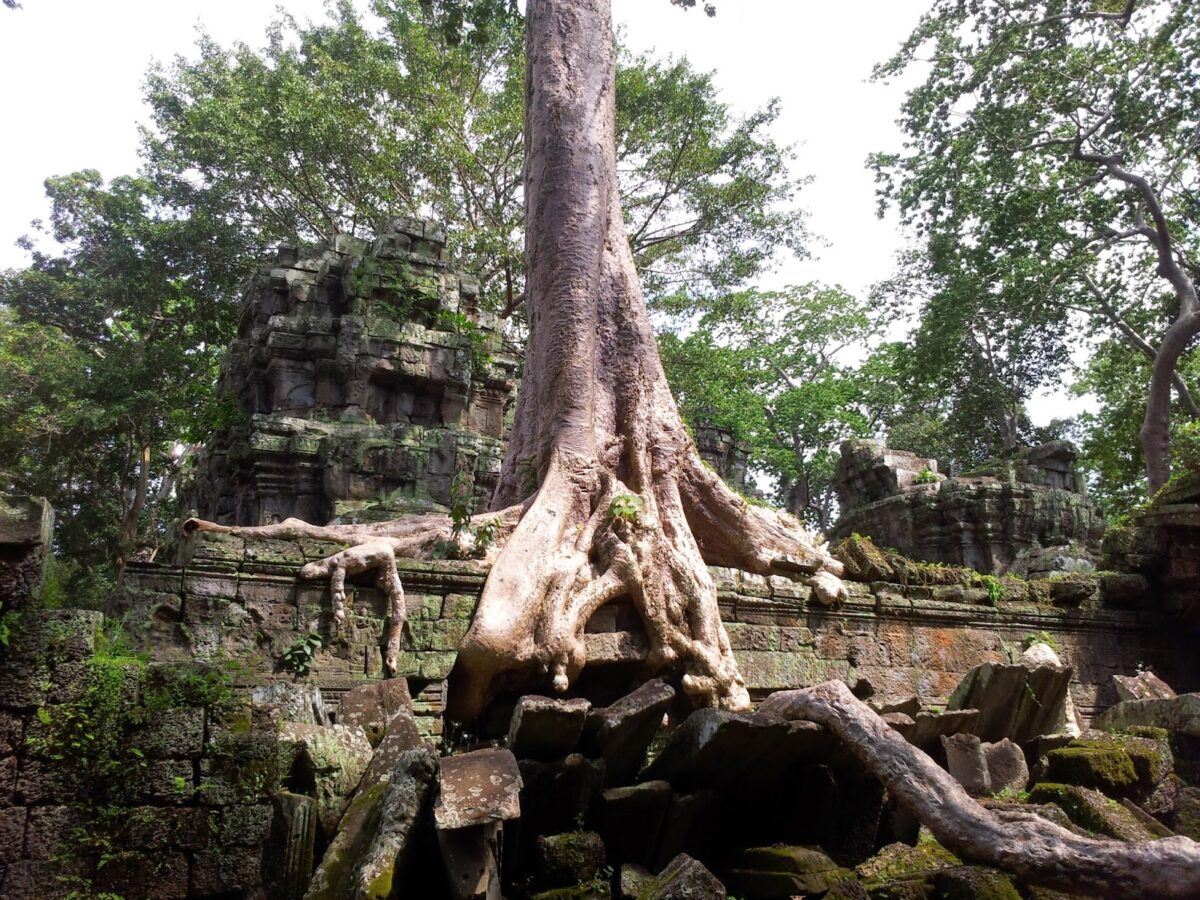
(716,748)
(1006,766)
(568,859)
(291,845)
(1142,686)
(373,706)
(545,728)
(401,736)
(631,820)
(784,871)
(471,857)
(478,788)
(619,734)
(1091,810)
(1014,701)
(332,758)
(1180,714)
(927,728)
(405,805)
(974,881)
(966,762)
(686,820)
(683,878)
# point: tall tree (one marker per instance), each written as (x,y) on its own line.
(109,354)
(602,494)
(1051,159)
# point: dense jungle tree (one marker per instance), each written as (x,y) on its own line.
(1051,167)
(417,110)
(769,366)
(108,355)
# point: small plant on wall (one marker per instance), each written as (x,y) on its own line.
(299,655)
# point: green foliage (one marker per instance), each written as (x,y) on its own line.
(299,655)
(626,507)
(925,476)
(1040,637)
(1028,243)
(767,367)
(994,588)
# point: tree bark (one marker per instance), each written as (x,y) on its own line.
(1022,844)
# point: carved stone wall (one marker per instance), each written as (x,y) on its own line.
(363,378)
(242,599)
(1002,518)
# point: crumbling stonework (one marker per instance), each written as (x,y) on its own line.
(26,525)
(718,448)
(364,377)
(1028,515)
(242,599)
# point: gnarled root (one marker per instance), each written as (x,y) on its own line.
(1024,845)
(373,546)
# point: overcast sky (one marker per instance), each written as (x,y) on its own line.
(72,73)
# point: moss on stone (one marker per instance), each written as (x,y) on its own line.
(974,883)
(1149,754)
(1105,768)
(898,862)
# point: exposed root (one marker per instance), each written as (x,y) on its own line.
(1024,845)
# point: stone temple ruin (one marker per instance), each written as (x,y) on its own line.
(258,751)
(1029,515)
(363,378)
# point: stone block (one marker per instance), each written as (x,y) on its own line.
(563,860)
(1091,810)
(372,706)
(8,779)
(1142,686)
(478,788)
(631,820)
(1014,701)
(621,733)
(194,828)
(558,796)
(683,878)
(50,830)
(1006,766)
(405,806)
(148,828)
(333,759)
(471,858)
(1179,714)
(966,762)
(172,734)
(290,846)
(784,871)
(546,728)
(720,749)
(12,833)
(291,701)
(244,824)
(402,736)
(226,871)
(153,876)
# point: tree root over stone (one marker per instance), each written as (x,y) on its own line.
(1021,844)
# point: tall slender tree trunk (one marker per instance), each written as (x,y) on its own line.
(1155,433)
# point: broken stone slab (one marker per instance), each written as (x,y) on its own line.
(683,878)
(631,820)
(1040,654)
(717,748)
(372,706)
(293,837)
(1018,702)
(546,728)
(1179,714)
(405,805)
(784,871)
(471,858)
(478,788)
(291,702)
(1006,766)
(966,762)
(1092,811)
(688,815)
(335,878)
(563,860)
(402,735)
(926,729)
(620,734)
(333,759)
(1142,686)
(555,796)
(909,706)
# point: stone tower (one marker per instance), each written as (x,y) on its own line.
(364,378)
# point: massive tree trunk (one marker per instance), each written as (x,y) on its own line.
(624,506)
(1022,844)
(603,494)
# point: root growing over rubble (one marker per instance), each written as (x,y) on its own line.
(1021,844)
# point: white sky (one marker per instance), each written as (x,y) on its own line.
(72,74)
